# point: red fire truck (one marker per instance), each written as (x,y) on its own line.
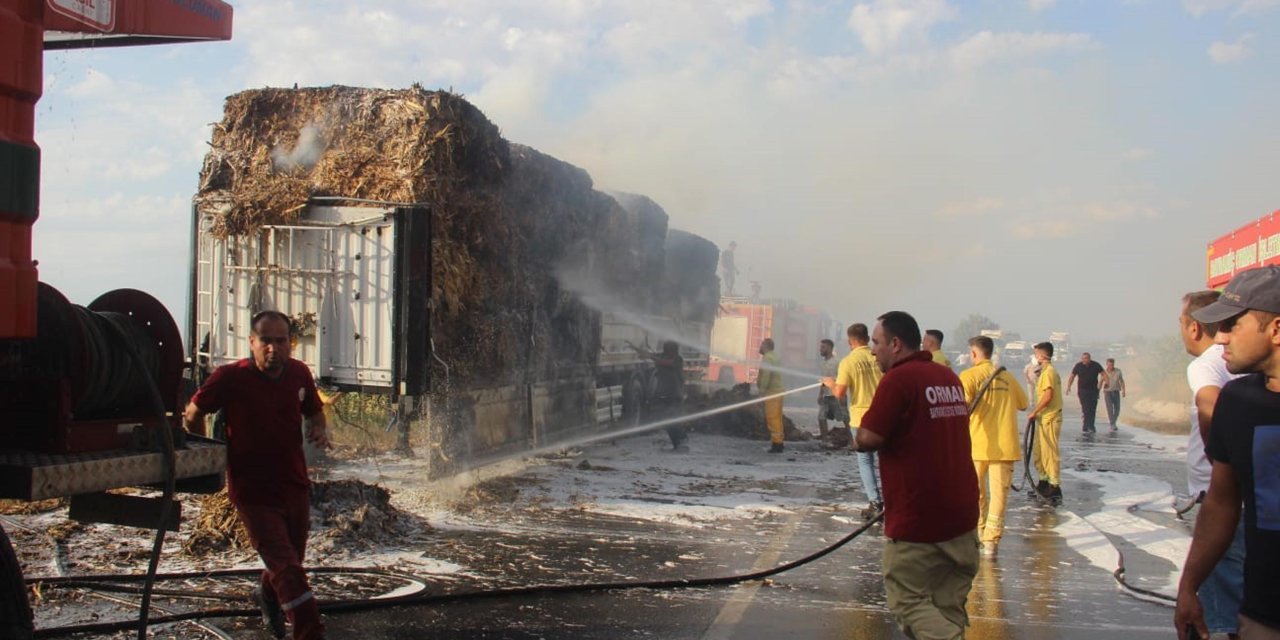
(742,324)
(89,396)
(1256,244)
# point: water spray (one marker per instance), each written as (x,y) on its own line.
(663,423)
(592,295)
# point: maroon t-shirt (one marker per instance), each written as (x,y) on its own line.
(265,463)
(930,488)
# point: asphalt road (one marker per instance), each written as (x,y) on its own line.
(1039,587)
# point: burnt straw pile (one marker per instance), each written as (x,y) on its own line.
(346,515)
(745,422)
(507,221)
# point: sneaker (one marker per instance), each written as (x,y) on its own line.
(272,614)
(775,447)
(989,549)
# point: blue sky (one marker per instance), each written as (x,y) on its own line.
(1056,165)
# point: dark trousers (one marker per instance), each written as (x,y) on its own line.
(1112,399)
(663,408)
(279,535)
(1089,407)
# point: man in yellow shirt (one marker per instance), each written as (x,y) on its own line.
(993,434)
(858,376)
(932,343)
(1049,413)
(769,381)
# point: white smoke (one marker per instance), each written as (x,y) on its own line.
(305,154)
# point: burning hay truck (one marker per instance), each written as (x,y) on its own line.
(483,286)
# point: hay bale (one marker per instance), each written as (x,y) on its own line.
(506,219)
(690,272)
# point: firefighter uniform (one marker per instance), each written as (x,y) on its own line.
(770,382)
(1048,461)
(993,436)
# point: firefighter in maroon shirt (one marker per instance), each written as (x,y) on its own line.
(919,423)
(265,399)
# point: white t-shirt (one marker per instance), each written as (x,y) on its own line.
(1208,370)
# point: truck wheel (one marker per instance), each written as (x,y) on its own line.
(635,396)
(15,609)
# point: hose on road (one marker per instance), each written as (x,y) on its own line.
(414,599)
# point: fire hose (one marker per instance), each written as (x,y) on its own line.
(110,582)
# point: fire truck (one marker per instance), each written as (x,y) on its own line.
(90,396)
(1255,244)
(741,325)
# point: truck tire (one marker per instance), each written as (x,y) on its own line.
(635,398)
(15,609)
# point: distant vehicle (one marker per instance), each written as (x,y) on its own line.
(1061,341)
(1014,353)
(741,325)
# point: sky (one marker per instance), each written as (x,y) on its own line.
(1056,165)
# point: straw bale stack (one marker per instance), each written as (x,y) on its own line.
(690,273)
(507,220)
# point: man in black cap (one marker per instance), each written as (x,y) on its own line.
(1244,446)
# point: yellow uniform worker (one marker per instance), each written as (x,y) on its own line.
(993,434)
(860,375)
(1049,415)
(769,380)
(941,358)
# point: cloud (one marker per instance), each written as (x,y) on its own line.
(1135,154)
(1069,219)
(971,208)
(1036,229)
(1121,211)
(1224,53)
(1041,5)
(986,47)
(94,83)
(741,11)
(884,25)
(1199,8)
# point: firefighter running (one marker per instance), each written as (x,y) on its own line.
(265,399)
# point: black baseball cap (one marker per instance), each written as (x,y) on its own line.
(1253,289)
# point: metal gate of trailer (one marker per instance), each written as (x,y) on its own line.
(354,280)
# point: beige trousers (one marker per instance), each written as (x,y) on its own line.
(994,477)
(773,418)
(927,585)
(1048,461)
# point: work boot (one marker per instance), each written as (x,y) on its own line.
(1055,494)
(775,447)
(272,614)
(1042,488)
(989,548)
